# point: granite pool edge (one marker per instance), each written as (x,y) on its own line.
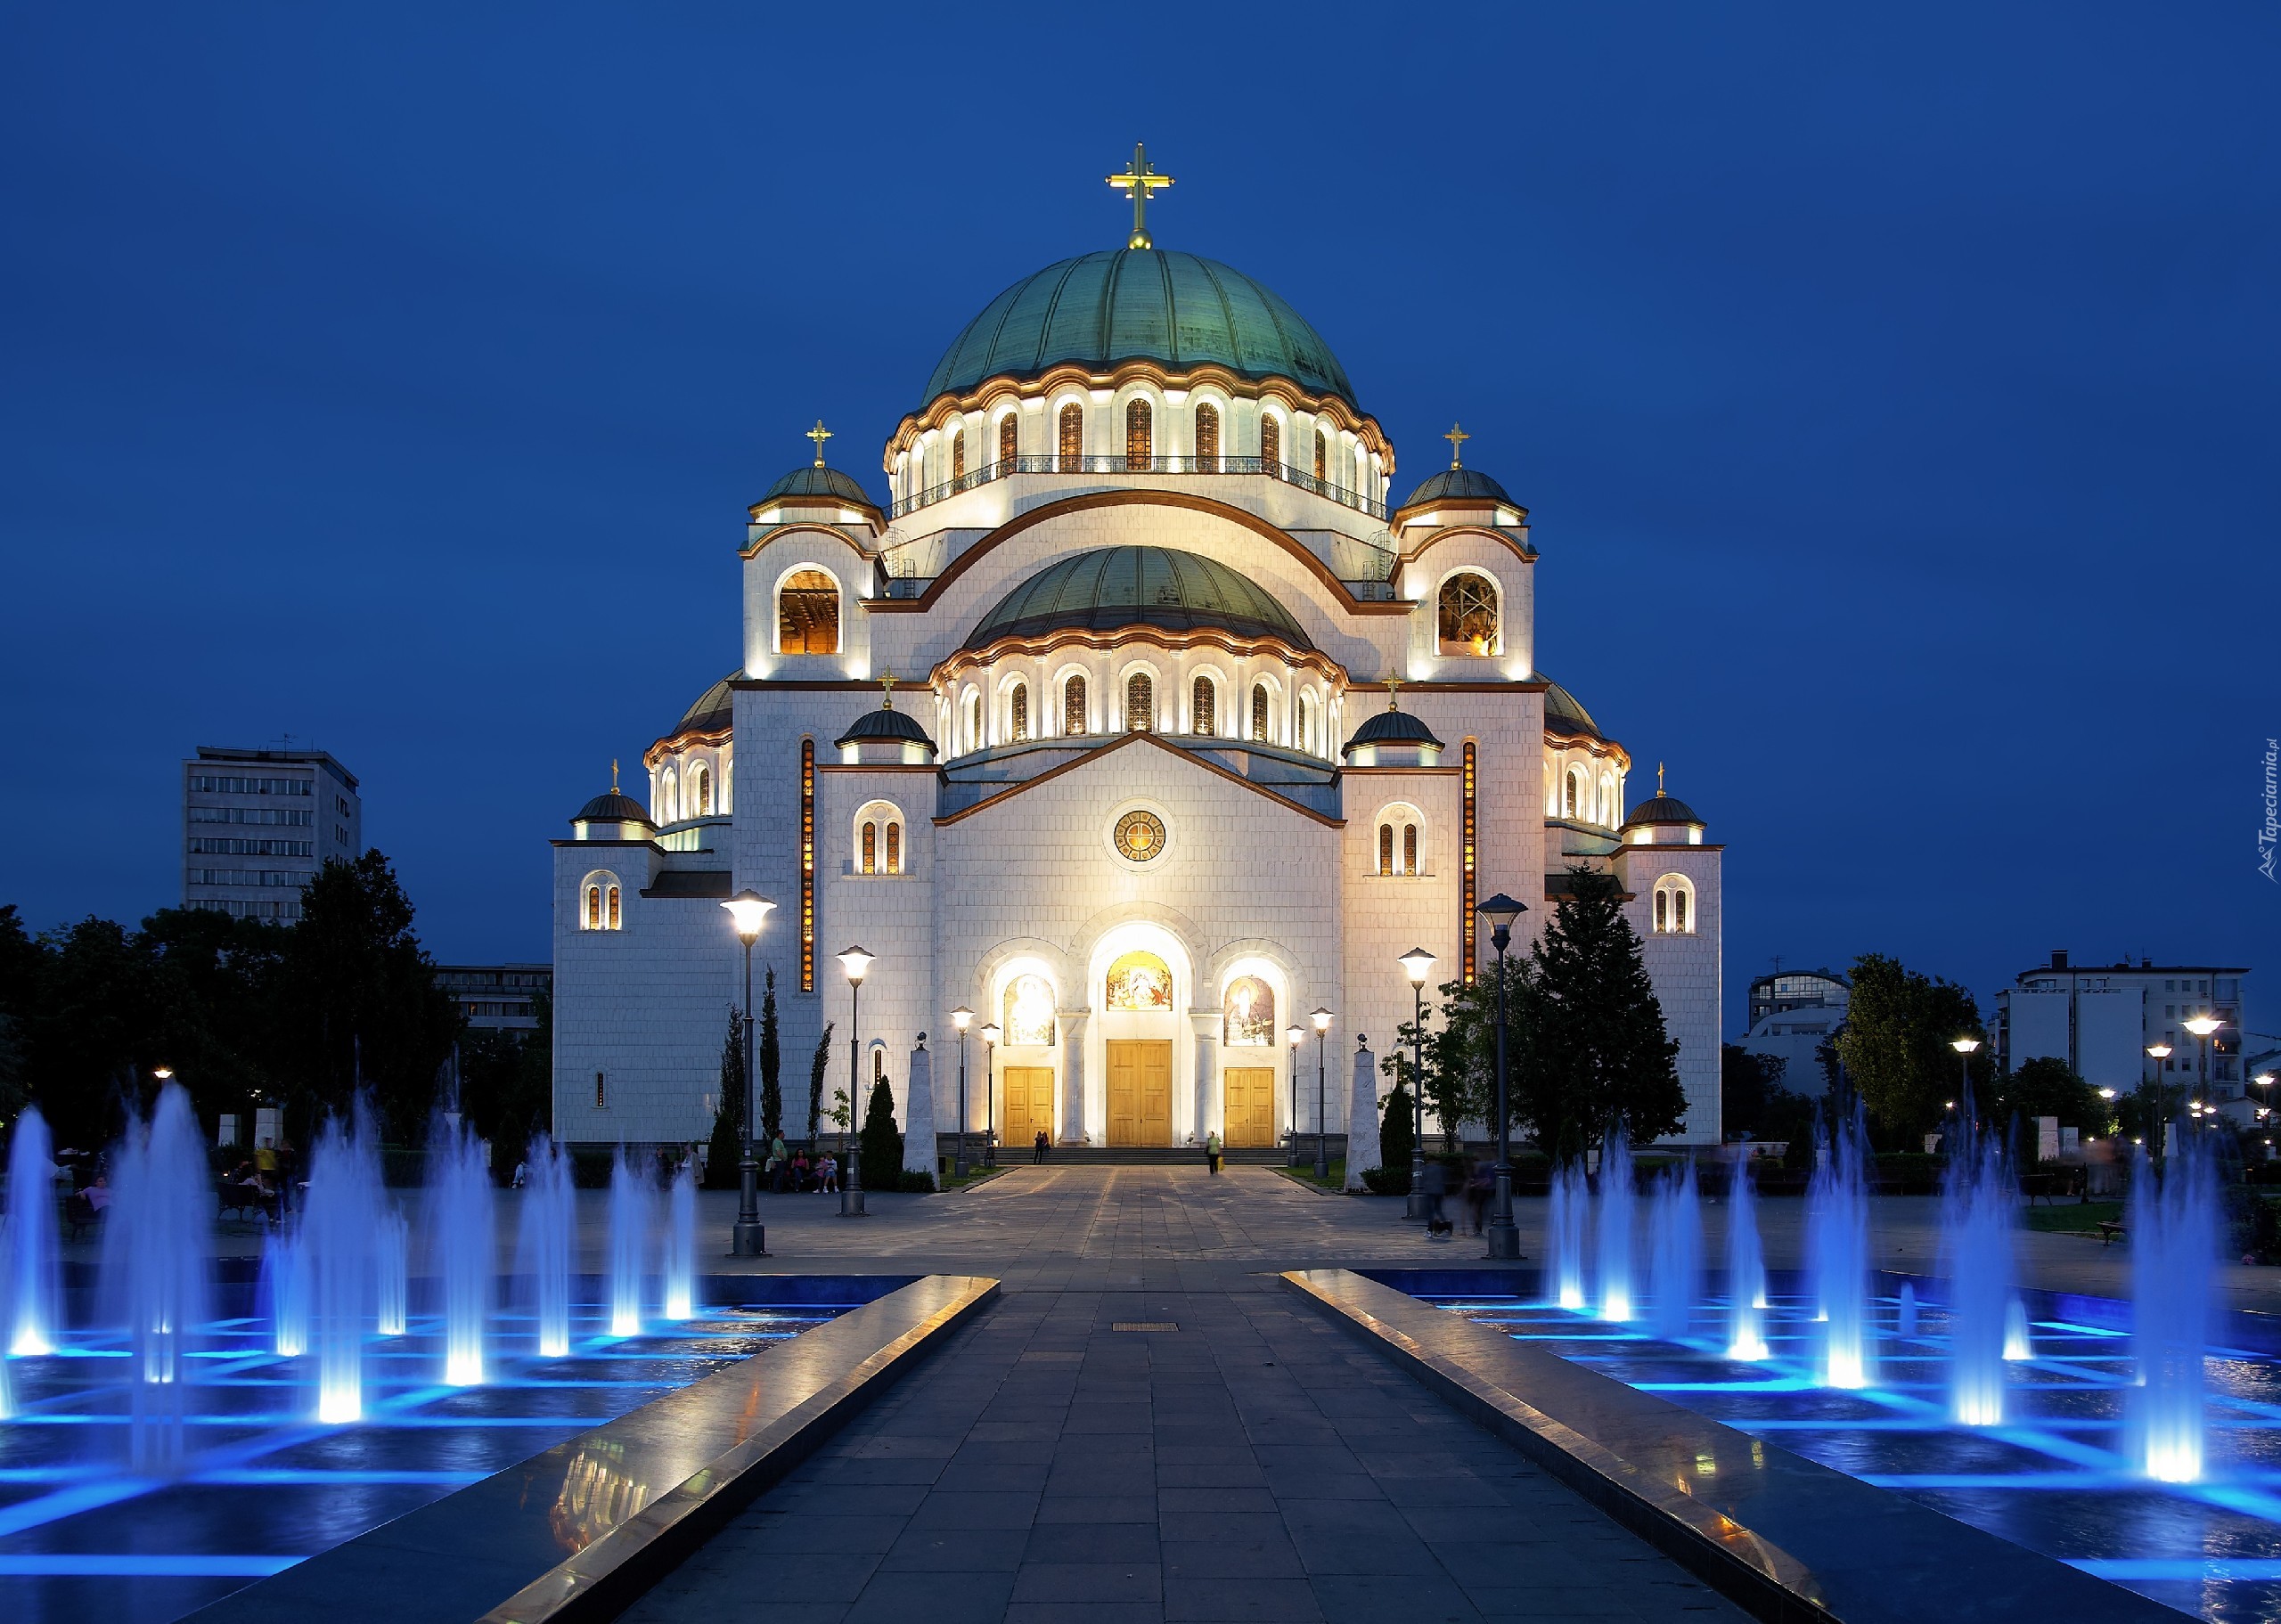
(1777,1534)
(785,1400)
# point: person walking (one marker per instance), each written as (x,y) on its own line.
(1437,1185)
(779,1161)
(1037,1147)
(1479,1187)
(1212,1152)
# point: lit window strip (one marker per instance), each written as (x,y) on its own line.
(807,865)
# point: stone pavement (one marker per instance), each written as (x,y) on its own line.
(1251,1463)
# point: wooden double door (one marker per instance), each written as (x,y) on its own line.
(1250,1094)
(1029,1105)
(1140,1091)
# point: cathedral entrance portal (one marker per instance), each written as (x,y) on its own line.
(1029,1105)
(1140,1091)
(1251,1104)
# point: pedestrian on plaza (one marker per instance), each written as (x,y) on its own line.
(779,1161)
(1037,1147)
(1212,1152)
(1479,1185)
(1437,1185)
(829,1184)
(800,1171)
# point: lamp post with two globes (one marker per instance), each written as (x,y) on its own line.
(855,961)
(1416,964)
(748,911)
(1504,1240)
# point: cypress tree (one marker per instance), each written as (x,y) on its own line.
(725,1150)
(771,1064)
(816,1084)
(881,1145)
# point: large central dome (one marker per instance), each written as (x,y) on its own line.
(1181,310)
(1112,588)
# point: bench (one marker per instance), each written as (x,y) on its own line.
(243,1199)
(2110,1229)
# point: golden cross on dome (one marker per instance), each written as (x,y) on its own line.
(1659,781)
(613,775)
(819,434)
(1393,691)
(1140,182)
(1456,437)
(886,690)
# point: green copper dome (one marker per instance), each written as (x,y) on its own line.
(1181,310)
(1112,588)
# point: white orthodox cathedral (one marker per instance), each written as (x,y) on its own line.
(1143,721)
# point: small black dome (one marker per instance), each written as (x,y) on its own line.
(817,480)
(1392,726)
(1663,809)
(611,807)
(1460,484)
(875,727)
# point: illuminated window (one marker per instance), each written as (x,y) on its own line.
(1575,794)
(1249,1012)
(700,791)
(958,453)
(1018,712)
(1029,1012)
(871,841)
(1140,980)
(1138,433)
(1385,848)
(594,908)
(1204,702)
(1409,848)
(1675,905)
(601,1091)
(1259,712)
(601,899)
(807,614)
(1207,440)
(1322,455)
(894,848)
(1140,704)
(1307,724)
(1072,707)
(1009,440)
(1271,444)
(1468,615)
(1073,437)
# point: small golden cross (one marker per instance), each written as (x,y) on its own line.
(819,434)
(886,690)
(1456,437)
(1659,781)
(1140,182)
(1393,691)
(613,775)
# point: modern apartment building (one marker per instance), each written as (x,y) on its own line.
(1793,1013)
(2101,1019)
(258,825)
(498,997)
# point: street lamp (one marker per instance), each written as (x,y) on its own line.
(747,911)
(1322,1019)
(990,1095)
(2202,1026)
(1416,964)
(961,1018)
(855,961)
(1964,1047)
(2161,1052)
(1291,1035)
(163,1072)
(1504,1240)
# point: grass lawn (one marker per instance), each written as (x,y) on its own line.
(2070,1216)
(1304,1173)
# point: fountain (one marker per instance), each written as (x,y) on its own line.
(156,1244)
(1571,1202)
(340,1246)
(1978,1217)
(681,1244)
(392,1264)
(629,1232)
(542,1246)
(282,1295)
(462,1237)
(29,1287)
(2173,1242)
(1838,1248)
(1615,1228)
(1904,1313)
(1745,1269)
(1675,1255)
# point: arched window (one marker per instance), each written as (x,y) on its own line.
(599,902)
(1139,435)
(594,908)
(1207,440)
(1575,794)
(1606,811)
(870,857)
(700,791)
(1140,704)
(1469,615)
(1073,437)
(1248,1012)
(1029,1013)
(1385,848)
(1271,444)
(1307,739)
(1322,455)
(894,848)
(1259,712)
(972,711)
(668,807)
(1072,707)
(1409,848)
(807,614)
(1675,905)
(958,453)
(1140,980)
(1018,712)
(1204,705)
(1009,429)
(613,907)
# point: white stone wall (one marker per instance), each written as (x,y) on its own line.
(1686,969)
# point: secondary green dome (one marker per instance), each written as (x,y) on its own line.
(1181,310)
(1111,588)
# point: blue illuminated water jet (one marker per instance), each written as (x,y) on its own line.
(1979,1217)
(629,1233)
(1675,1252)
(2173,1243)
(1616,1199)
(543,1242)
(1745,1269)
(1571,1203)
(1837,1247)
(29,1291)
(464,1240)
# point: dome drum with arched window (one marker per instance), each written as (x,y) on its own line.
(885,735)
(1665,820)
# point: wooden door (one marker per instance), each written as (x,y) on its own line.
(1029,1105)
(1251,1104)
(1140,1091)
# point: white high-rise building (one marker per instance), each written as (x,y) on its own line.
(2102,1018)
(258,825)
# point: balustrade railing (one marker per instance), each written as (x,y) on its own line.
(1055,464)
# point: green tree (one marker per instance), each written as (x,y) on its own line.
(725,1150)
(771,1062)
(1397,1137)
(1598,1053)
(816,1067)
(881,1145)
(1896,1051)
(2046,1086)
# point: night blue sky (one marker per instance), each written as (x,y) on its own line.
(1895,398)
